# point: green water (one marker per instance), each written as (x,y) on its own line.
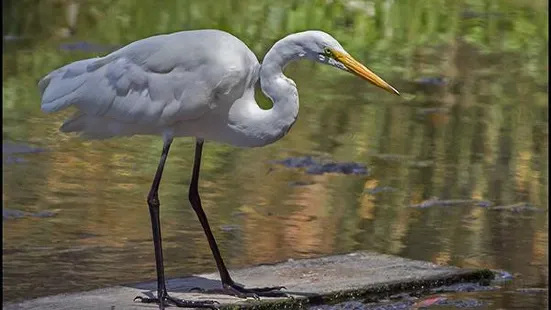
(481,136)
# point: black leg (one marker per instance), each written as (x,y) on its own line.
(154,204)
(229,286)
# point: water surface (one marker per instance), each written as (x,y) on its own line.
(479,135)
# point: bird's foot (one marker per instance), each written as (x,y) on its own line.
(169,300)
(256,292)
(242,292)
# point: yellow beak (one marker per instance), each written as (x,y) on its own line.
(356,67)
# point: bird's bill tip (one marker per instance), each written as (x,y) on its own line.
(357,68)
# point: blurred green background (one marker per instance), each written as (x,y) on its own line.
(472,124)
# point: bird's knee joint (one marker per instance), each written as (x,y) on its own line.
(153,202)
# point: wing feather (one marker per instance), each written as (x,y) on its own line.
(157,81)
(129,89)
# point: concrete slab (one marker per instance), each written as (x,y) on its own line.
(363,275)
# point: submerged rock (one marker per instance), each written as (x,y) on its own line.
(316,167)
(297,162)
(334,167)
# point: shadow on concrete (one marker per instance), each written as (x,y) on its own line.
(197,285)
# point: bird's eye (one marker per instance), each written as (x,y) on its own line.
(327,51)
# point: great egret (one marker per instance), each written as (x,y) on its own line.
(198,84)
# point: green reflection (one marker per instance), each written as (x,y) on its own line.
(487,139)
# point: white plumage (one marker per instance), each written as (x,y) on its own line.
(193,83)
(153,85)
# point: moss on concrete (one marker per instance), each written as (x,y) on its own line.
(372,293)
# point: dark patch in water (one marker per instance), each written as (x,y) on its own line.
(404,296)
(466,303)
(380,189)
(428,111)
(18,148)
(300,183)
(314,167)
(12,38)
(9,149)
(86,235)
(533,290)
(391,157)
(468,14)
(13,160)
(86,47)
(515,208)
(403,159)
(464,287)
(421,163)
(408,303)
(349,305)
(43,213)
(345,168)
(238,214)
(518,207)
(229,228)
(432,80)
(297,162)
(431,85)
(504,275)
(435,201)
(12,214)
(16,214)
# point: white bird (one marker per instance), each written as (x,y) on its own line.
(198,84)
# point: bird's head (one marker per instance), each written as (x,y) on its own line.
(323,48)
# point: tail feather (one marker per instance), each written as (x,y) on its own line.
(75,123)
(58,89)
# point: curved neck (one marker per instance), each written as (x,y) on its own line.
(281,90)
(252,126)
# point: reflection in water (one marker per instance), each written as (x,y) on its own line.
(485,138)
